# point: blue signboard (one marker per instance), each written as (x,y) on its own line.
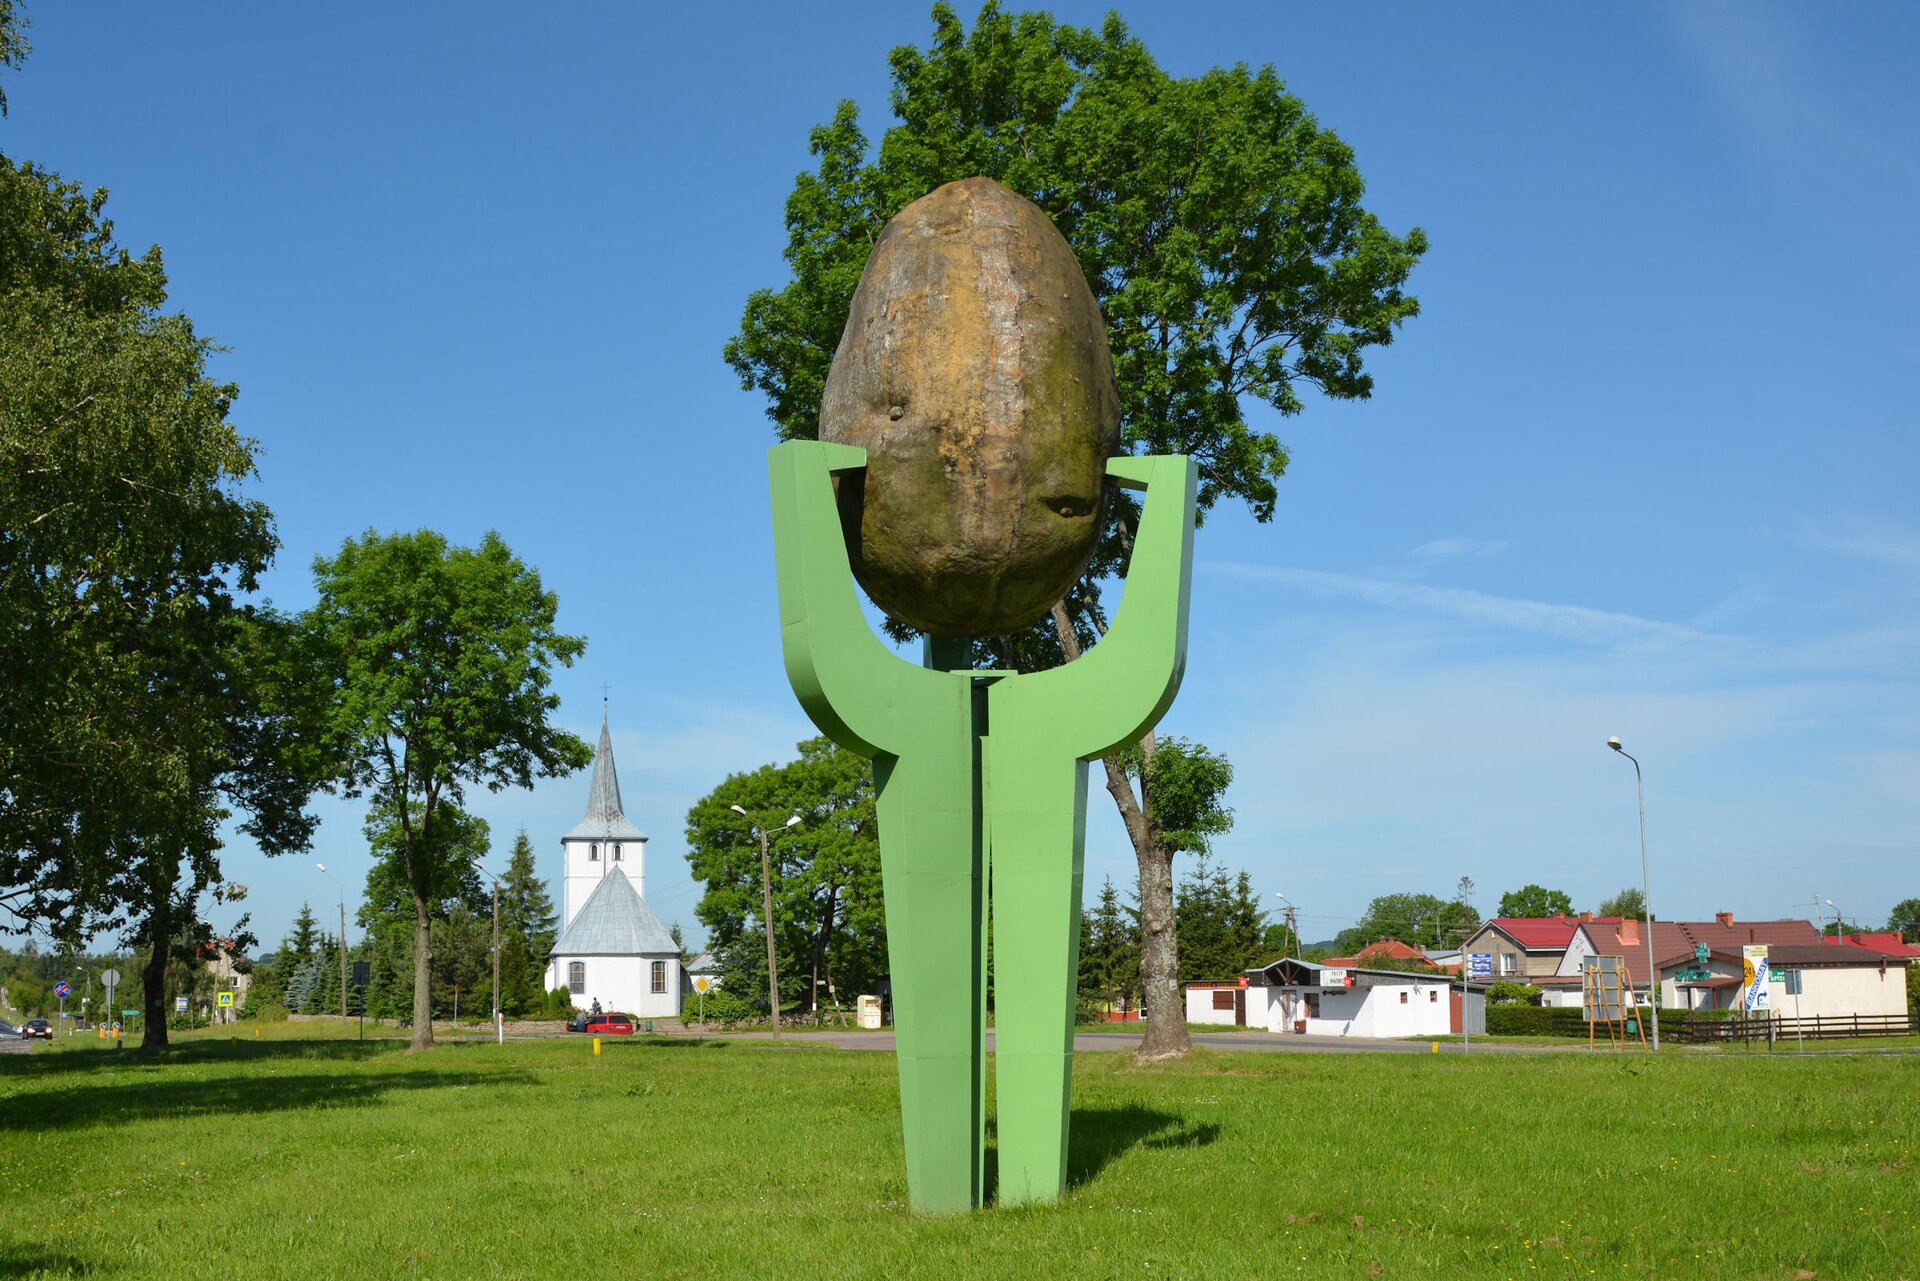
(1480,965)
(62,991)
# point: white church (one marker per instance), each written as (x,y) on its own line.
(612,948)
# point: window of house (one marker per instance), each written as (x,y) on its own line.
(1313,1005)
(659,976)
(593,853)
(616,854)
(1507,965)
(1433,996)
(1403,998)
(577,977)
(1222,999)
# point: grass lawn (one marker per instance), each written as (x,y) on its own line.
(294,1156)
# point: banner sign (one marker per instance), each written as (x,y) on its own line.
(1480,965)
(1754,961)
(1335,978)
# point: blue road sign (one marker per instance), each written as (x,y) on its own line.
(62,991)
(1480,965)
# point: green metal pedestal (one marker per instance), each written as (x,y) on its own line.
(971,767)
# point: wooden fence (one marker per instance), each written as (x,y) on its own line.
(1761,1028)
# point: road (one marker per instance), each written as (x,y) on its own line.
(1257,1042)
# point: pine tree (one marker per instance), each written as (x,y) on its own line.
(305,936)
(528,926)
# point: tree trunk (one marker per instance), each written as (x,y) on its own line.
(153,976)
(422,977)
(1161,998)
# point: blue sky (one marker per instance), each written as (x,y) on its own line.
(1645,465)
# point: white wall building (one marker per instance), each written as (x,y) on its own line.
(1299,996)
(612,948)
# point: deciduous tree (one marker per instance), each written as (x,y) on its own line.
(1535,901)
(829,911)
(1222,232)
(1904,920)
(428,670)
(1628,904)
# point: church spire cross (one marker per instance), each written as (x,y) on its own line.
(603,795)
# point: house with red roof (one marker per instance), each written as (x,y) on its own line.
(1888,944)
(1384,953)
(1836,979)
(1527,947)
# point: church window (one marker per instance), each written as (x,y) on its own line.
(659,976)
(577,977)
(593,853)
(616,854)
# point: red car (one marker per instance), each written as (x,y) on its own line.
(610,1024)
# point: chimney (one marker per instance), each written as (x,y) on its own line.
(1629,932)
(1724,918)
(1586,916)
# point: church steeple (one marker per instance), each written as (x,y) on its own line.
(603,840)
(603,795)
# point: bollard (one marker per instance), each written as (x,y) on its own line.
(1436,1047)
(256,1034)
(596,1045)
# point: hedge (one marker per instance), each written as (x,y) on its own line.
(1543,1020)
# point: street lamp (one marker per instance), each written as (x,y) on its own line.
(343,941)
(766,903)
(1293,931)
(1839,926)
(1646,895)
(499,1024)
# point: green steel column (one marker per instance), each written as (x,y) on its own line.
(920,728)
(1045,727)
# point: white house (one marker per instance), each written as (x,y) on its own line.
(1319,1000)
(612,949)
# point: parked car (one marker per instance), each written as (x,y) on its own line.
(610,1024)
(36,1027)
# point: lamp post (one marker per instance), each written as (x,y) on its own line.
(1646,895)
(499,1024)
(343,941)
(1839,926)
(766,903)
(1293,931)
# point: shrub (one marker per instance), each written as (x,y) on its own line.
(1508,993)
(722,1007)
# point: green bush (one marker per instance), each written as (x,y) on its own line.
(1540,1020)
(722,1006)
(1508,993)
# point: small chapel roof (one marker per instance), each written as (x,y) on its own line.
(605,820)
(614,921)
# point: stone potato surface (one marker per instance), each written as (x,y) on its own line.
(974,371)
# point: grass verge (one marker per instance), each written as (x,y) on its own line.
(306,1157)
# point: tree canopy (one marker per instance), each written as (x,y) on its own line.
(1628,904)
(1219,224)
(1535,901)
(1419,920)
(426,669)
(829,909)
(1904,920)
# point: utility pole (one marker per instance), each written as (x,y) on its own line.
(343,943)
(766,903)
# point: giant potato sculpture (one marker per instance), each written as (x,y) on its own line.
(974,371)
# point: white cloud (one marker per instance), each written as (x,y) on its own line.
(1882,544)
(1441,548)
(1541,618)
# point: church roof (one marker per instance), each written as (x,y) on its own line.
(605,820)
(615,921)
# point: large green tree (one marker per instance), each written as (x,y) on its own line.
(1221,230)
(1110,950)
(1904,920)
(829,911)
(427,671)
(134,724)
(1535,901)
(1420,920)
(1222,925)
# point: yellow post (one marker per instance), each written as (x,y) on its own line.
(1436,1047)
(256,1034)
(596,1045)
(235,1038)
